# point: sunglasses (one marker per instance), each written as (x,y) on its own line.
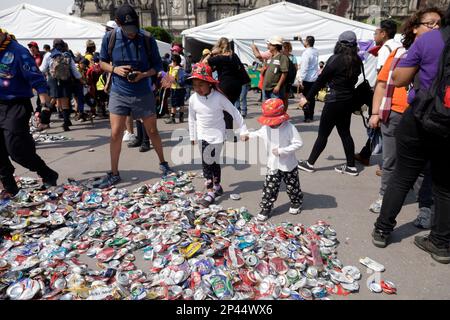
(431,24)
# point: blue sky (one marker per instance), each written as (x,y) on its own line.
(55,5)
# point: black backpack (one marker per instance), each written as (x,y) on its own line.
(292,73)
(432,107)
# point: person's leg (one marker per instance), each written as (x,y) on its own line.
(243,98)
(411,159)
(129,125)
(118,124)
(309,112)
(343,127)
(425,194)
(270,190)
(6,168)
(151,128)
(440,173)
(237,104)
(327,123)
(64,103)
(293,189)
(217,171)
(180,104)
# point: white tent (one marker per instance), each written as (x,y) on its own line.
(30,23)
(284,19)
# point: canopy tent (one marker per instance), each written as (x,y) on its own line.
(30,23)
(284,19)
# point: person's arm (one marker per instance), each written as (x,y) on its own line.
(403,76)
(380,89)
(192,119)
(257,53)
(27,66)
(45,64)
(296,143)
(231,109)
(73,68)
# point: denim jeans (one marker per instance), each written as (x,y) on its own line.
(242,99)
(268,94)
(415,148)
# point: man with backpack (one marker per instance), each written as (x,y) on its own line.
(309,72)
(19,75)
(423,135)
(131,56)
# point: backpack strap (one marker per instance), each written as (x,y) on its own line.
(111,42)
(148,46)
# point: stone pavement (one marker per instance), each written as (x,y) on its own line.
(341,200)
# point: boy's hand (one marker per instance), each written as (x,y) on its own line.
(244,138)
(275,152)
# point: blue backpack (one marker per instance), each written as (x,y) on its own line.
(182,76)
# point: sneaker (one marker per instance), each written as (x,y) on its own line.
(207,200)
(441,255)
(305,166)
(10,186)
(295,209)
(110,180)
(347,170)
(134,143)
(165,168)
(380,238)
(218,192)
(51,179)
(363,161)
(145,147)
(423,220)
(264,215)
(128,136)
(376,206)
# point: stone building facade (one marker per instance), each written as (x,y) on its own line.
(178,15)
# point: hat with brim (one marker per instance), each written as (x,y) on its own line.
(33,44)
(277,40)
(203,72)
(131,28)
(274,113)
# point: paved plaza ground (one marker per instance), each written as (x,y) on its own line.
(341,200)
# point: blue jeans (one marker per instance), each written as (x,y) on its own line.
(242,98)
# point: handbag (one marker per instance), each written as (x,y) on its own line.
(363,96)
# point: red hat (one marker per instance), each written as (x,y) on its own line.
(274,113)
(33,44)
(177,49)
(203,72)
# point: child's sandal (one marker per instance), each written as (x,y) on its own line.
(206,201)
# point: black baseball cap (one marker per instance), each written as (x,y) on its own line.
(127,18)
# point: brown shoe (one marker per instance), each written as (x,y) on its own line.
(362,160)
(379,172)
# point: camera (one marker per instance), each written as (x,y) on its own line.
(297,38)
(132,76)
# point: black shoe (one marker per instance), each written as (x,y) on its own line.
(218,192)
(441,255)
(134,144)
(66,127)
(181,117)
(51,178)
(264,215)
(380,238)
(305,166)
(144,147)
(10,185)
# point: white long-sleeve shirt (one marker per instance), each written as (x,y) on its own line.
(286,139)
(309,67)
(206,120)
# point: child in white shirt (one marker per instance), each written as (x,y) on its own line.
(207,126)
(282,140)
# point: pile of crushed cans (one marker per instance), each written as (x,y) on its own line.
(49,239)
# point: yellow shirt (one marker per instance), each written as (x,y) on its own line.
(173,71)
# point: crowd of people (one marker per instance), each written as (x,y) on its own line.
(128,80)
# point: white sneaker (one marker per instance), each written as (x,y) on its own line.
(376,206)
(128,136)
(295,209)
(423,220)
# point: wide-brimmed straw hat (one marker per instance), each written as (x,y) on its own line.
(203,72)
(273,113)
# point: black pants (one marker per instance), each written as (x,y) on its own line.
(272,187)
(142,135)
(233,92)
(335,114)
(309,112)
(415,148)
(211,163)
(16,141)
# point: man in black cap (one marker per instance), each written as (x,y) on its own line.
(132,57)
(19,75)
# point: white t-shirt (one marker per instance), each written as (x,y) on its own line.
(286,139)
(206,120)
(385,51)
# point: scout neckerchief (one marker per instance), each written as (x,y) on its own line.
(6,42)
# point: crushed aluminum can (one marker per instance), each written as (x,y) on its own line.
(375,287)
(388,287)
